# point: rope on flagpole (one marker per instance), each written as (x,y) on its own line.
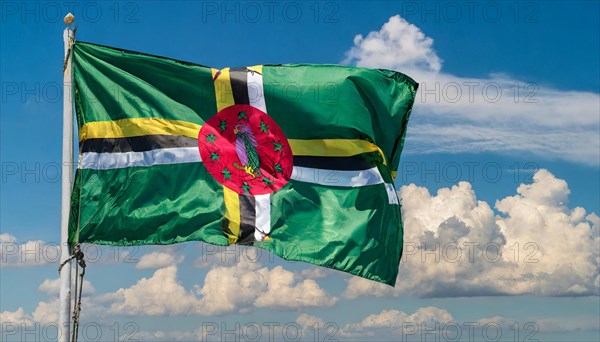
(80,262)
(78,254)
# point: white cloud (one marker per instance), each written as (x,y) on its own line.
(229,288)
(306,321)
(15,318)
(46,311)
(397,44)
(238,287)
(317,272)
(158,260)
(30,253)
(456,245)
(431,322)
(285,291)
(304,328)
(395,322)
(425,323)
(569,144)
(464,114)
(160,294)
(51,287)
(14,253)
(162,336)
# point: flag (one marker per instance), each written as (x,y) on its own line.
(298,159)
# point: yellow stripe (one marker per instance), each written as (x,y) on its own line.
(137,127)
(232,204)
(257,68)
(223,90)
(224,96)
(149,126)
(333,147)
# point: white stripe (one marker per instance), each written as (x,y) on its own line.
(256,93)
(392,194)
(262,205)
(263,216)
(106,161)
(353,178)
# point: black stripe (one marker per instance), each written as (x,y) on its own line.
(358,162)
(136,144)
(239,85)
(247,218)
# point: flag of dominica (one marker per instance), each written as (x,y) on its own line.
(298,159)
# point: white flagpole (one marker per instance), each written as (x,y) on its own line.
(64,314)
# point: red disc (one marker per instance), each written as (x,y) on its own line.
(245,150)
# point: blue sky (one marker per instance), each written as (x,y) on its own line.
(551,47)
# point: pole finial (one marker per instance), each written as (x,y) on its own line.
(69,19)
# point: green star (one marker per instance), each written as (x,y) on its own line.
(211,138)
(277,146)
(226,174)
(278,168)
(222,125)
(214,156)
(264,127)
(267,181)
(246,187)
(242,115)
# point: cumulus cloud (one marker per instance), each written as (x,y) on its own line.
(398,43)
(497,113)
(46,311)
(425,323)
(160,294)
(18,318)
(162,336)
(431,322)
(236,288)
(316,272)
(285,291)
(228,256)
(240,287)
(30,253)
(245,284)
(306,320)
(51,287)
(456,245)
(158,260)
(392,322)
(304,328)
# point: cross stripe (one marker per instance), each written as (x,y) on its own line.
(262,210)
(249,217)
(224,95)
(239,87)
(263,216)
(107,161)
(256,94)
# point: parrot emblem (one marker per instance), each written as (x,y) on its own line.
(245,148)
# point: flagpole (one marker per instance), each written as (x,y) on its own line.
(64,315)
